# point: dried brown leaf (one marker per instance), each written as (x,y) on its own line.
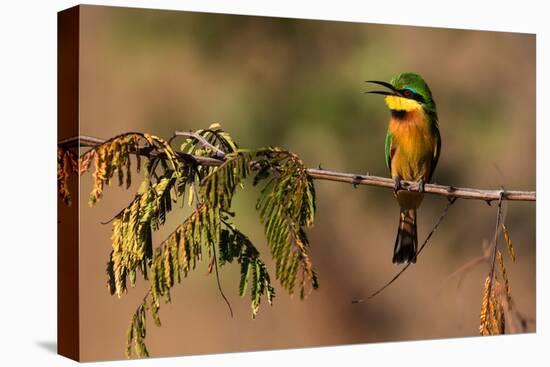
(509,244)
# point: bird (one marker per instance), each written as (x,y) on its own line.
(412,150)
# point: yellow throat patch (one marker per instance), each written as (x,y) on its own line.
(400,103)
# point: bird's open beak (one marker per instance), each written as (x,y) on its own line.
(393,92)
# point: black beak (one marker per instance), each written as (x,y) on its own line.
(393,92)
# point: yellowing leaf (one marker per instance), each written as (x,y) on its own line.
(215,126)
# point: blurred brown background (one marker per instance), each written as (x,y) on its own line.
(298,84)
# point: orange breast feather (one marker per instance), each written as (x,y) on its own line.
(413,147)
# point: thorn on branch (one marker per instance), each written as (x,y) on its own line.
(452,199)
(356,181)
(320,174)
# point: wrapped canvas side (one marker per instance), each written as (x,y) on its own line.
(68,216)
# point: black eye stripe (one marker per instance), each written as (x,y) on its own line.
(407,93)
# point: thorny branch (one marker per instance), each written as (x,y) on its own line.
(322,174)
(452,193)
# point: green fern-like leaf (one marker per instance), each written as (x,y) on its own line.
(131,239)
(217,138)
(235,245)
(137,332)
(220,185)
(180,253)
(287,206)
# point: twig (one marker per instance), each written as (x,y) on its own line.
(146,295)
(218,280)
(523,320)
(321,174)
(149,152)
(460,272)
(495,245)
(144,299)
(219,153)
(448,191)
(214,257)
(445,211)
(82,141)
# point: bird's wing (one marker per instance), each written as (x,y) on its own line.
(437,152)
(390,150)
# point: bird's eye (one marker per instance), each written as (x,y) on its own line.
(407,93)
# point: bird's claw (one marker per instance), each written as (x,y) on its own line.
(396,185)
(421,185)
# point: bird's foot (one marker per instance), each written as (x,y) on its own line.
(396,185)
(421,185)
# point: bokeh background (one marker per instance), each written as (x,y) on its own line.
(298,84)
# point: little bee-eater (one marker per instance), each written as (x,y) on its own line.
(413,145)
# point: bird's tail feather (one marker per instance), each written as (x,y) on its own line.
(406,241)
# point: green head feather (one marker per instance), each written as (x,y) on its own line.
(415,84)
